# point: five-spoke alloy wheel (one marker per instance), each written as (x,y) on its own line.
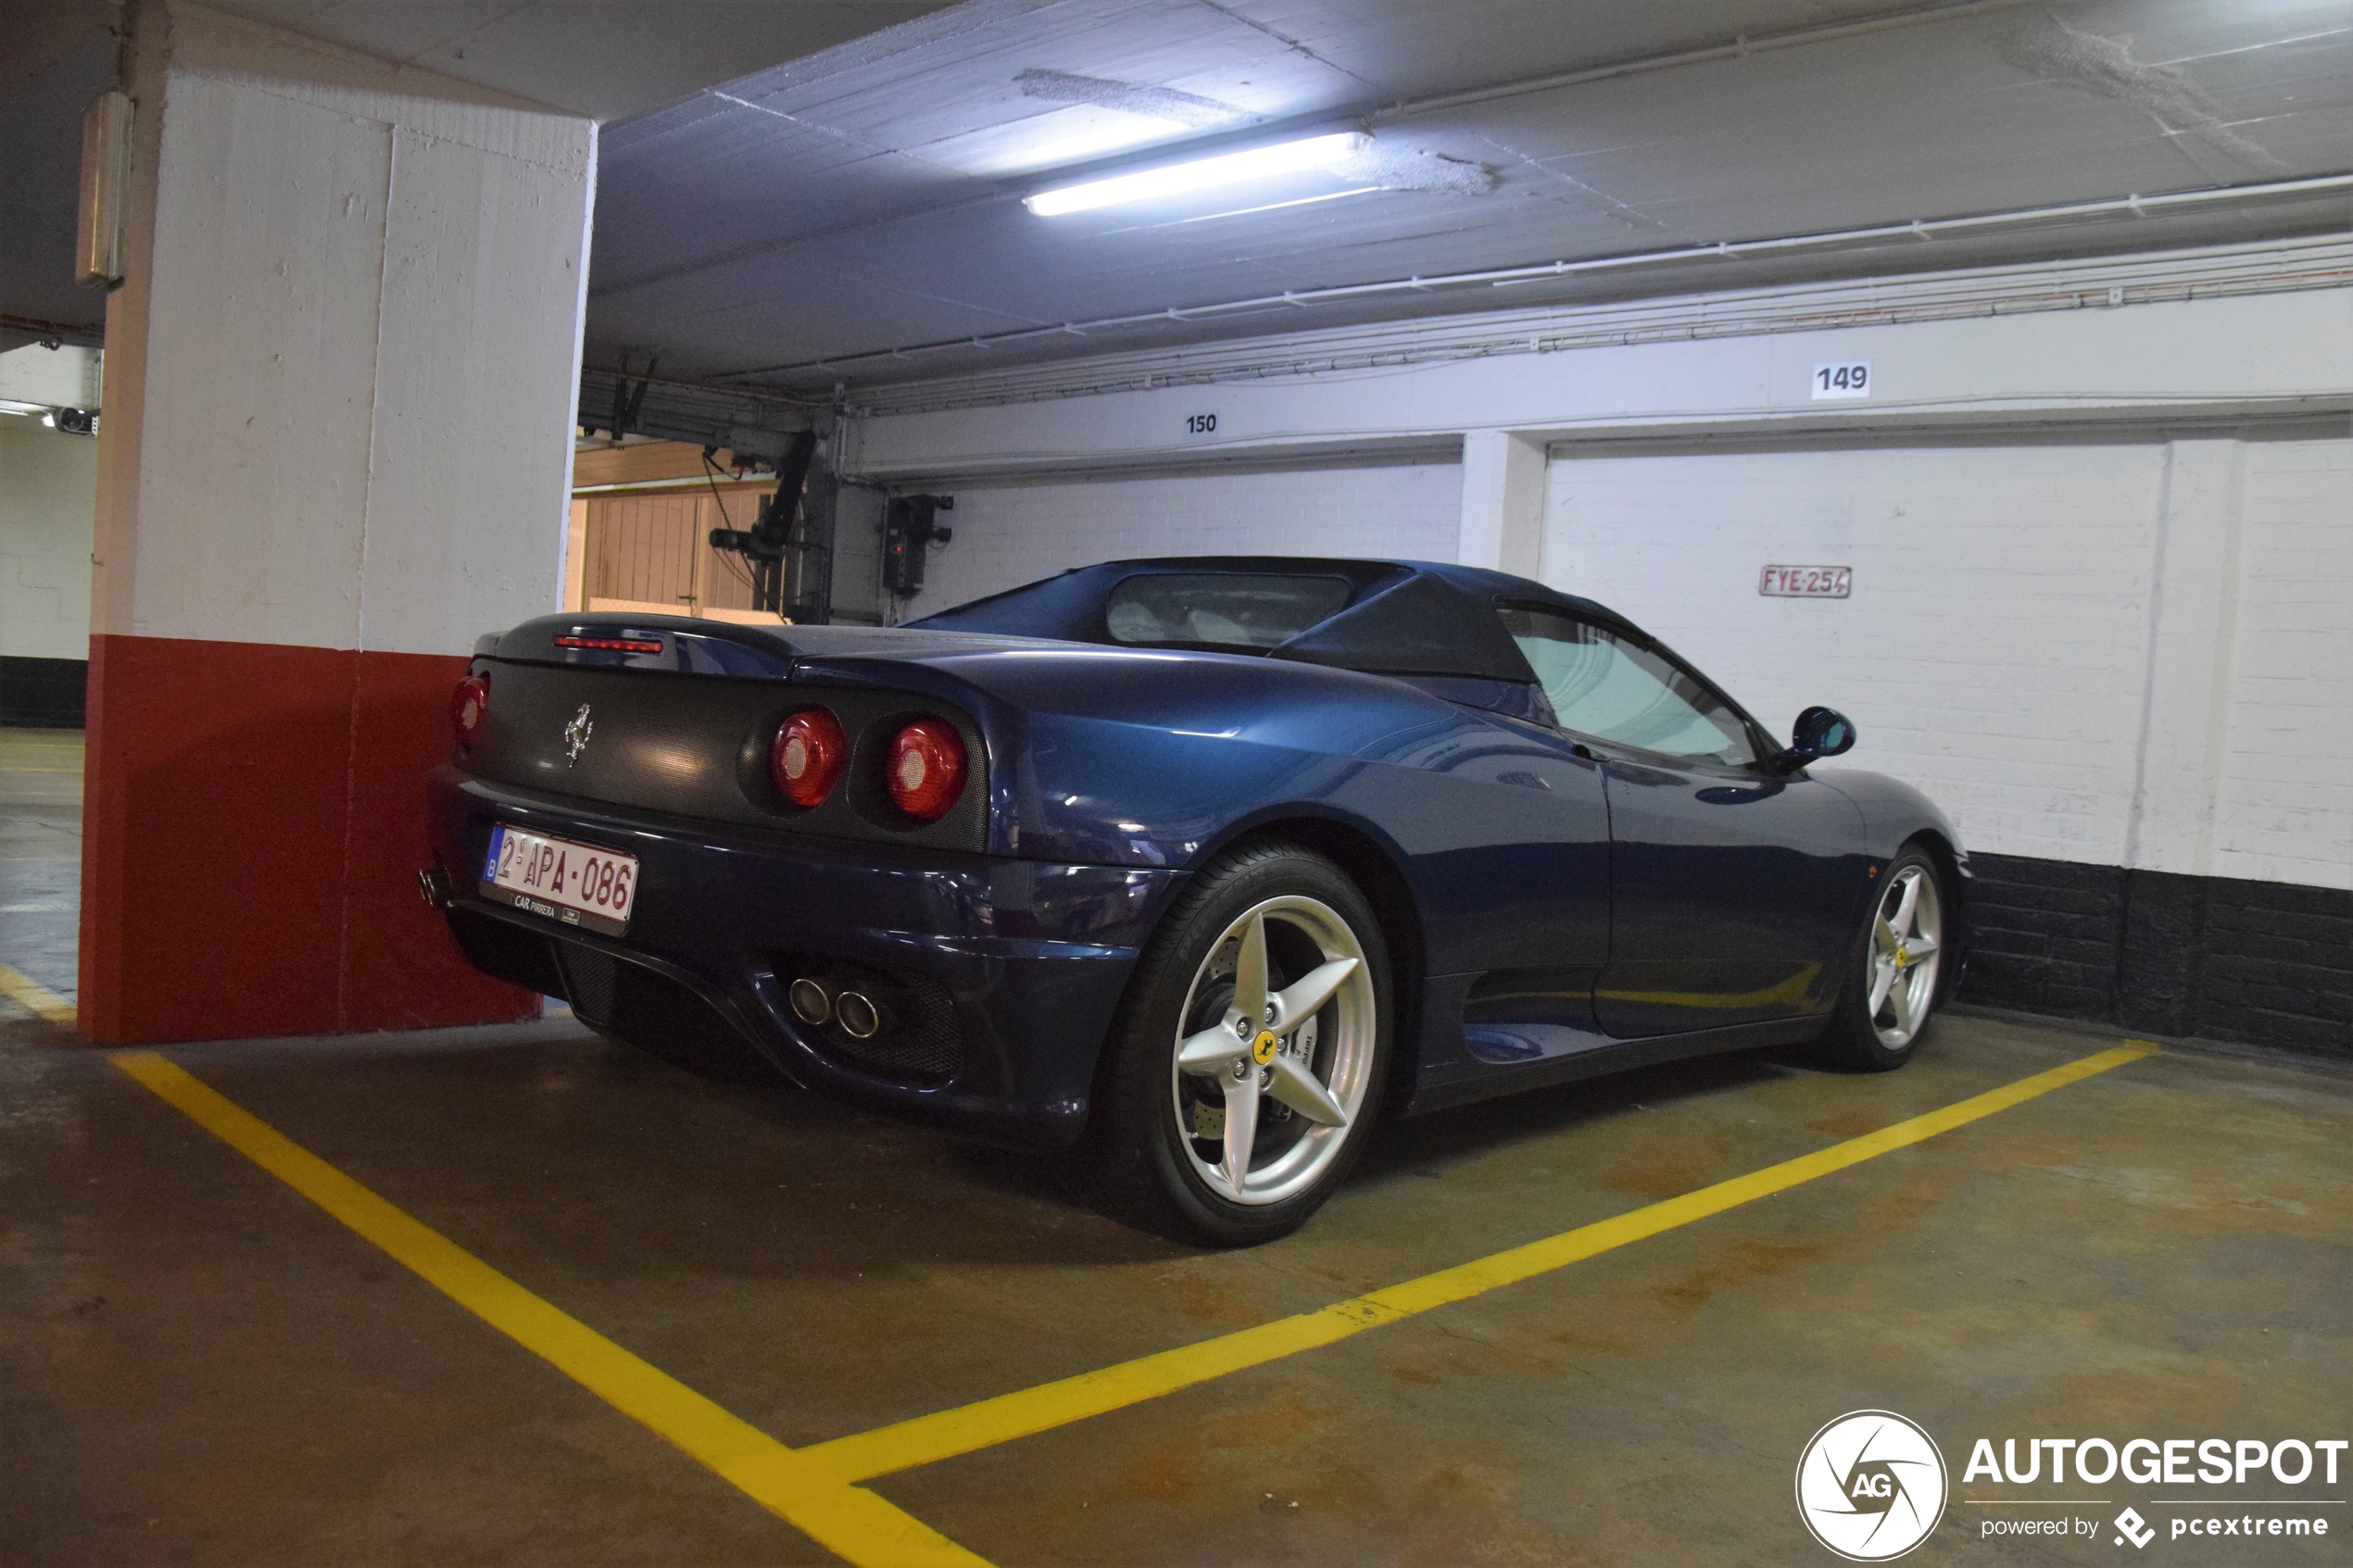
(1266,1091)
(1250,1055)
(1893,985)
(1905,956)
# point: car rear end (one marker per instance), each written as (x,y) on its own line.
(793,838)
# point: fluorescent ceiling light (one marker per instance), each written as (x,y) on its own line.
(1226,168)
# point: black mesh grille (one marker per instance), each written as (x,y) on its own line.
(928,1045)
(655,1013)
(588,981)
(507,952)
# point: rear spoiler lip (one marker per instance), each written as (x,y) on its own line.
(689,648)
(718,647)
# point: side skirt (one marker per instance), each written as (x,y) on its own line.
(1458,1087)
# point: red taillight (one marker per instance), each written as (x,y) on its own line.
(807,756)
(468,704)
(613,645)
(927,769)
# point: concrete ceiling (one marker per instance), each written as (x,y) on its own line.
(858,192)
(57,58)
(601,58)
(866,199)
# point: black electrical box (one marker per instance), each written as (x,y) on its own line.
(911,526)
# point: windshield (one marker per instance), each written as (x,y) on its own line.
(1223,608)
(1613,689)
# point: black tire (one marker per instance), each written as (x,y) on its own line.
(1142,1165)
(1861,1039)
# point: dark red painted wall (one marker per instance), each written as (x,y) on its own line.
(254,820)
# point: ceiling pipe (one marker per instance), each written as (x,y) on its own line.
(1924,229)
(2313,262)
(1738,48)
(1328,117)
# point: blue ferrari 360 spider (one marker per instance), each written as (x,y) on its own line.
(1197,867)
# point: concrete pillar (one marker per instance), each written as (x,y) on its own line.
(2193,628)
(336,448)
(2185,731)
(1502,501)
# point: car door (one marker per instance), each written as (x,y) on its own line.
(1507,826)
(1733,885)
(1535,912)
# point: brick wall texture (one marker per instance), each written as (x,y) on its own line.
(2259,962)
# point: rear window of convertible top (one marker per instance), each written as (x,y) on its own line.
(1222,608)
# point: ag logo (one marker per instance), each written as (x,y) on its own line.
(1871,1485)
(1262,1050)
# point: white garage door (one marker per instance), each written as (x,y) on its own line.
(1994,648)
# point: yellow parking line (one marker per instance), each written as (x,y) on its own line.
(35,998)
(814,1488)
(849,1520)
(925,1440)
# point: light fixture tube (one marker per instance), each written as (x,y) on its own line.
(1225,168)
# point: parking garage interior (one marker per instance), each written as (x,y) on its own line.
(1981,369)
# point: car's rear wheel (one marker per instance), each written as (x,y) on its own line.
(1246,1066)
(1892,985)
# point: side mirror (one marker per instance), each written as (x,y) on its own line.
(1819,733)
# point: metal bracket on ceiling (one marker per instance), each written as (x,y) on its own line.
(627,402)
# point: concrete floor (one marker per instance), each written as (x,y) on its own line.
(198,1366)
(40,853)
(202,1368)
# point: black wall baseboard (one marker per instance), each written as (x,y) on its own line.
(2261,963)
(43,694)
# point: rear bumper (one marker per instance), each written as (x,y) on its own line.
(1010,971)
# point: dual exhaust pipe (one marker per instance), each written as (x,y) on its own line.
(818,1002)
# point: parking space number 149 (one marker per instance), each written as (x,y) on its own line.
(1847,378)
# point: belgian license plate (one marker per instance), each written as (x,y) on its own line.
(577,883)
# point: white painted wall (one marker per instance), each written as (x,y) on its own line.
(2004,646)
(1992,651)
(48,491)
(1009,534)
(2171,357)
(63,377)
(340,412)
(2284,809)
(2126,649)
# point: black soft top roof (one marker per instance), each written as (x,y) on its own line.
(1401,618)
